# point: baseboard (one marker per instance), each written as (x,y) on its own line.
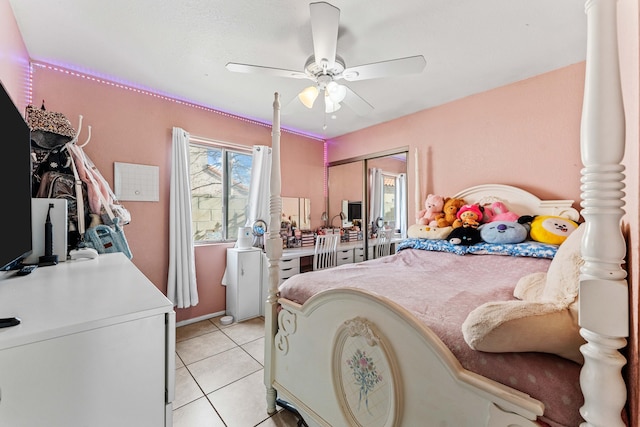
(199,319)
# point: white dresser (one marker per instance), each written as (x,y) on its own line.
(96,347)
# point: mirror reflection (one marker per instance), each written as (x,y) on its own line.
(297,212)
(387,192)
(345,186)
(295,222)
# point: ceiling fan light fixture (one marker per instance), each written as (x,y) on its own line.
(308,96)
(330,106)
(337,92)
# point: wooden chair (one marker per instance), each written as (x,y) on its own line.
(325,254)
(383,243)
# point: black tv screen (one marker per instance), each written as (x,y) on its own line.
(355,211)
(15,184)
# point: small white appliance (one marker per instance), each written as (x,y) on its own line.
(245,237)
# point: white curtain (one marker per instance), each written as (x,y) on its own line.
(259,192)
(182,289)
(401,204)
(376,196)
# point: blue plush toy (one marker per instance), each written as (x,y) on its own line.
(504,232)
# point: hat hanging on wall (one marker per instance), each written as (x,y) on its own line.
(49,129)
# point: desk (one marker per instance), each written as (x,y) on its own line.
(300,260)
(289,253)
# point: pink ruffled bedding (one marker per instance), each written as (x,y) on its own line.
(441,289)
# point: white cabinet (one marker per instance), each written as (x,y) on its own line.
(96,347)
(244,281)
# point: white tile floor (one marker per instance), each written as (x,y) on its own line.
(219,376)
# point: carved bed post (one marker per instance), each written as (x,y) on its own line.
(273,247)
(604,303)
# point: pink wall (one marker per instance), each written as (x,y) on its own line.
(132,127)
(14,59)
(507,135)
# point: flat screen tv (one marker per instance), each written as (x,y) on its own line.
(355,211)
(15,184)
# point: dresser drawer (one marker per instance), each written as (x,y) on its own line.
(358,255)
(288,263)
(289,267)
(345,256)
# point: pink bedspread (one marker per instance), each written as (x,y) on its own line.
(441,289)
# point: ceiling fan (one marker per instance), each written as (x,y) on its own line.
(325,68)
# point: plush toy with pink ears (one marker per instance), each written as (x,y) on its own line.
(432,212)
(497,211)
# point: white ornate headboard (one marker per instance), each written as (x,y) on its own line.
(518,200)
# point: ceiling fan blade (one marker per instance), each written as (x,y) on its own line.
(257,69)
(393,67)
(325,20)
(357,103)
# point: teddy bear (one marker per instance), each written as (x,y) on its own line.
(432,212)
(450,209)
(468,216)
(498,211)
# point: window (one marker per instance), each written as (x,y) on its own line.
(389,199)
(220,180)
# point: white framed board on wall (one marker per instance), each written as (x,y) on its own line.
(136,182)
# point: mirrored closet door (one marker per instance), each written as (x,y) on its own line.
(370,192)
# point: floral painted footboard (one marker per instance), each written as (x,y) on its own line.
(439,290)
(366,376)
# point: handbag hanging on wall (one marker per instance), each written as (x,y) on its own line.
(107,239)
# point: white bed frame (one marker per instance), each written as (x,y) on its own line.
(305,346)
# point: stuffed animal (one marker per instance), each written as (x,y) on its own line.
(497,211)
(548,228)
(504,232)
(450,210)
(418,231)
(545,319)
(432,212)
(468,216)
(466,236)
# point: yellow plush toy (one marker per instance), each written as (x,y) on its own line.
(419,231)
(548,228)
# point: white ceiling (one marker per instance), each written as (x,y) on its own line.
(180,48)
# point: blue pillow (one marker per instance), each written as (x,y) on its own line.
(527,248)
